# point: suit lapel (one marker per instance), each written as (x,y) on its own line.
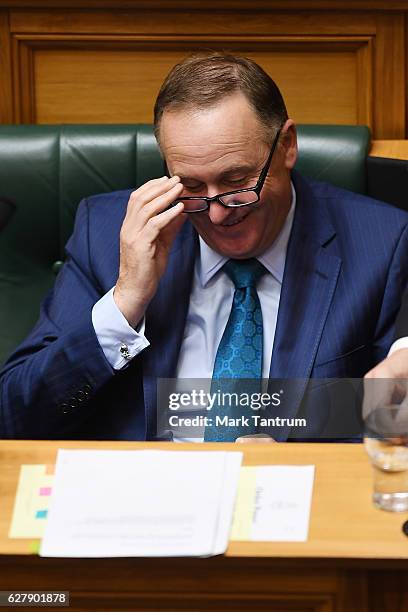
(165,321)
(308,286)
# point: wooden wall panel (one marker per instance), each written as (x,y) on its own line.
(120,86)
(99,86)
(6,96)
(193,5)
(170,23)
(71,65)
(319,86)
(390,87)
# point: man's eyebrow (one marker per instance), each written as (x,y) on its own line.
(185,177)
(241,169)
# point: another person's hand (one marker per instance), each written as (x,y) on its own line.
(255,439)
(147,234)
(387,383)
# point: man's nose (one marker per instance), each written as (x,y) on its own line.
(218,213)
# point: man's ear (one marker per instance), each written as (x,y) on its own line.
(289,143)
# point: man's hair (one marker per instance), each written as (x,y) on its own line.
(202,80)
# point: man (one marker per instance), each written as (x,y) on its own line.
(204,273)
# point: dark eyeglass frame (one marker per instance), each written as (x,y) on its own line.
(256,189)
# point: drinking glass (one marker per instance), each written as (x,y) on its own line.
(386,442)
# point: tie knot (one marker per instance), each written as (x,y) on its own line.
(244,272)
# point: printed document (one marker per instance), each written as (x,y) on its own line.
(148,503)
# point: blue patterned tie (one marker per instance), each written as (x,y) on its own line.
(239,354)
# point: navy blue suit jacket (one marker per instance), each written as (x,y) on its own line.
(346,270)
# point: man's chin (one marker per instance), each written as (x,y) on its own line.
(234,249)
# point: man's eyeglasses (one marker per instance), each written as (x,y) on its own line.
(231,199)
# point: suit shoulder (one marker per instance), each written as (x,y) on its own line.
(341,201)
(109,203)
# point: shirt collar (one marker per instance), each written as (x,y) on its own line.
(273,258)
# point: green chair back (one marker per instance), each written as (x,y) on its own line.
(46,171)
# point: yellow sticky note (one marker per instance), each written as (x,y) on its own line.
(31,502)
(244,504)
(35,547)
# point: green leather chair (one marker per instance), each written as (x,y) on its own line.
(46,170)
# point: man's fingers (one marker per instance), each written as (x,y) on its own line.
(168,233)
(384,393)
(138,216)
(255,439)
(151,190)
(152,184)
(157,223)
(378,388)
(377,392)
(387,383)
(394,366)
(158,205)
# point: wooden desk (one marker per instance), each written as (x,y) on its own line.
(355,558)
(393,149)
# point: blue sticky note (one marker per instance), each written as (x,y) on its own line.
(41,514)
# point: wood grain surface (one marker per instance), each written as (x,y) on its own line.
(394,149)
(354,561)
(82,62)
(344,523)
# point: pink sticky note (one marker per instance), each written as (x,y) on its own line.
(45,490)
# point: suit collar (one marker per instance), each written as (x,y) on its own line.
(312,213)
(309,283)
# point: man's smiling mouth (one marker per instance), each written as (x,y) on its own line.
(234,222)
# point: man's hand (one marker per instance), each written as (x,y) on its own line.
(147,234)
(387,383)
(255,439)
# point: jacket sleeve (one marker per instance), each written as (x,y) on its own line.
(47,384)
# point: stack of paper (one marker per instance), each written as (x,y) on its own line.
(141,503)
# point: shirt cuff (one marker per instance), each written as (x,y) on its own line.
(119,341)
(398,344)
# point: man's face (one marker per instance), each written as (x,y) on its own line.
(221,149)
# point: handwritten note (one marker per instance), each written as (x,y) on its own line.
(273,503)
